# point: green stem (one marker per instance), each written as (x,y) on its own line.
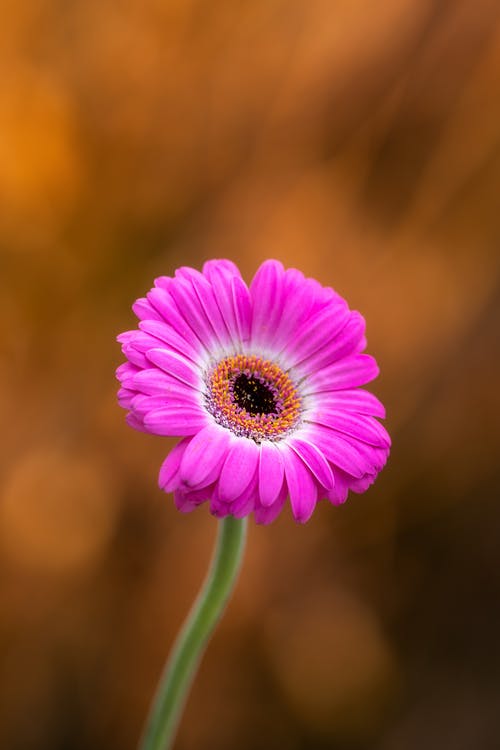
(193,638)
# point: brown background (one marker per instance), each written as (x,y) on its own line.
(359,142)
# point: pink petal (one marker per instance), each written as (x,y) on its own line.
(267,293)
(314,460)
(161,301)
(189,306)
(134,356)
(242,304)
(359,426)
(301,486)
(208,303)
(238,469)
(221,282)
(161,331)
(205,453)
(357,400)
(163,282)
(165,304)
(374,457)
(344,343)
(245,503)
(134,422)
(155,382)
(337,449)
(143,341)
(297,304)
(265,515)
(185,502)
(349,372)
(142,404)
(126,336)
(223,265)
(125,373)
(322,296)
(338,495)
(271,473)
(177,366)
(316,332)
(361,485)
(125,397)
(218,508)
(176,421)
(168,477)
(144,310)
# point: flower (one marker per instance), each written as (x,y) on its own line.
(261,383)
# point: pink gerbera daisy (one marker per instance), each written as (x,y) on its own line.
(262,384)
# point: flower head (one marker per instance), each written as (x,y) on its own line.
(262,385)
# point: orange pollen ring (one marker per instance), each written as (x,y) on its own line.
(252,397)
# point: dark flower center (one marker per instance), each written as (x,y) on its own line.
(253,395)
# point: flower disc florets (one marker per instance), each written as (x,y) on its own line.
(252,397)
(262,385)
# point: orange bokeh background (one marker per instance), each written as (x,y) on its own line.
(360,144)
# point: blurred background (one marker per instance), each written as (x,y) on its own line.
(360,143)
